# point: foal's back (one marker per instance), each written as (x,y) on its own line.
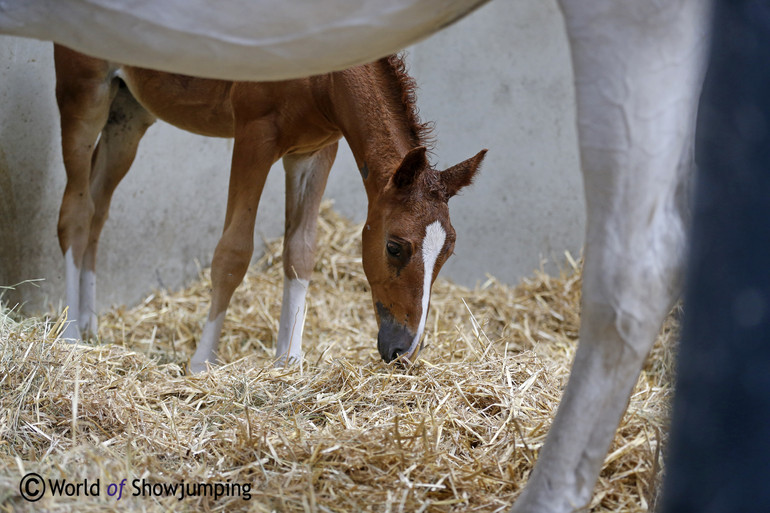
(212,107)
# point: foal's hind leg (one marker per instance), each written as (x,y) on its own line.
(637,70)
(306,177)
(84,92)
(114,154)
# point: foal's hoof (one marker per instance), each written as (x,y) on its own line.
(88,325)
(197,367)
(71,333)
(287,360)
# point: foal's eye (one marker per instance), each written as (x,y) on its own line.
(394,249)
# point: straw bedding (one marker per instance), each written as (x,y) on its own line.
(458,431)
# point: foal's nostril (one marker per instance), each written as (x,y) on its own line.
(393,339)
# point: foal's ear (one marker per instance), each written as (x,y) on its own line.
(462,174)
(414,162)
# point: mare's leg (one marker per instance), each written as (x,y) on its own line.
(114,154)
(84,92)
(306,177)
(637,72)
(253,154)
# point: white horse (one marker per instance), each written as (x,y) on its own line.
(638,67)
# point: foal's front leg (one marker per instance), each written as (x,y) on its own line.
(253,154)
(306,177)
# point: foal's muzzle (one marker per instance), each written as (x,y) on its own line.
(393,340)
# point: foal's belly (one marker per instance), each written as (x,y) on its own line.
(198,105)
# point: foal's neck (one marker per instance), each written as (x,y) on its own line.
(368,107)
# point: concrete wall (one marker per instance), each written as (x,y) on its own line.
(500,79)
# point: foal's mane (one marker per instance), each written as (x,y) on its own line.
(405,88)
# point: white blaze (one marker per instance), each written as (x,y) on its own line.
(435,236)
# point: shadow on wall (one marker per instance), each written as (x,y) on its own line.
(9,239)
(29,175)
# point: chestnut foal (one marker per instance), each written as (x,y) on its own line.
(407,236)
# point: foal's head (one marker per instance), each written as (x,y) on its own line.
(406,240)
